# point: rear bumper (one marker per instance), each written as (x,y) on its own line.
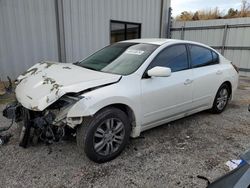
(235,83)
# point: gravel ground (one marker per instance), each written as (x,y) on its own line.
(171,155)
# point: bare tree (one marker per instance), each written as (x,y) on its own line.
(215,13)
(245,8)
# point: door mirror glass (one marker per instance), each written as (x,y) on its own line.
(159,72)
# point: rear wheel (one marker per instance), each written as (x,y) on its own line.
(221,99)
(104,136)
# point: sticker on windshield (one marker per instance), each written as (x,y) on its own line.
(134,52)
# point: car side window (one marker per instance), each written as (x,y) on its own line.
(200,56)
(174,57)
(215,57)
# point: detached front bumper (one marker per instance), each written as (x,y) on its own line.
(17,113)
(48,125)
(38,125)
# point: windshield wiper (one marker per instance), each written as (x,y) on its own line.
(76,63)
(89,68)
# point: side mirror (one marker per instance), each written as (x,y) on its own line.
(159,72)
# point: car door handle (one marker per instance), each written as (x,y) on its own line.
(188,81)
(218,72)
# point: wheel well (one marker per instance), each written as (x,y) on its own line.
(126,109)
(230,87)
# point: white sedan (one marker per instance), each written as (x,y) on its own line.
(120,91)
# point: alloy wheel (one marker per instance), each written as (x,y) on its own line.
(109,136)
(222,99)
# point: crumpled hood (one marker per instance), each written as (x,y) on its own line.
(46,82)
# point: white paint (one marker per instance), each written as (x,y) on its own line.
(154,101)
(69,77)
(159,72)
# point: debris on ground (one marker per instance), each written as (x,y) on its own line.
(4,139)
(206,142)
(232,164)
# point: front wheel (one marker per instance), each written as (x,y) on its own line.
(104,136)
(221,99)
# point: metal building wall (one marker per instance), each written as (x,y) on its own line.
(68,30)
(235,38)
(87,23)
(28,35)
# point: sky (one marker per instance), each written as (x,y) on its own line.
(179,6)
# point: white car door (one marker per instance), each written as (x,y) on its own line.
(207,75)
(163,97)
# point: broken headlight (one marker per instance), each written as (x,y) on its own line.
(64,101)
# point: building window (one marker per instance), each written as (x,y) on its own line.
(124,31)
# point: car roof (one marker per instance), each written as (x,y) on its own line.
(162,41)
(157,41)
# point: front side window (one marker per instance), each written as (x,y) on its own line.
(119,58)
(175,57)
(200,56)
(124,31)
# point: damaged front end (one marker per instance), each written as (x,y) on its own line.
(49,125)
(47,94)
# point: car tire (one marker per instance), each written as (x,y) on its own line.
(104,136)
(221,99)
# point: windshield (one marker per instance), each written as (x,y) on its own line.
(119,58)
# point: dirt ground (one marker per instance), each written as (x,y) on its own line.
(171,155)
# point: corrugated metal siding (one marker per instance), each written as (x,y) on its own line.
(214,37)
(27,35)
(29,29)
(87,23)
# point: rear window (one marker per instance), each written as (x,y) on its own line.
(200,56)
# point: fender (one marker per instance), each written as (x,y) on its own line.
(233,78)
(88,106)
(123,93)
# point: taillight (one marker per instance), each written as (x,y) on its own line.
(235,67)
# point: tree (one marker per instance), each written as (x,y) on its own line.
(196,16)
(232,13)
(186,16)
(245,8)
(215,13)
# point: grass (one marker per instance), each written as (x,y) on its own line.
(7,98)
